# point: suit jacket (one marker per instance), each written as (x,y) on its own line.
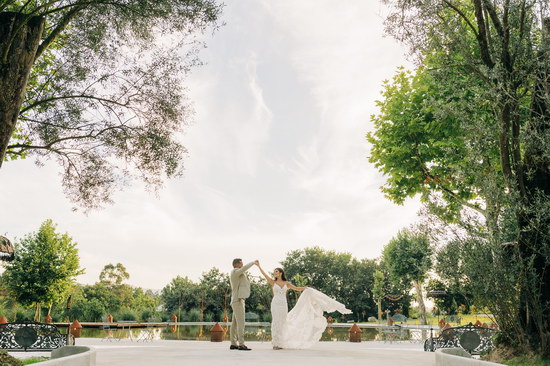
(240,285)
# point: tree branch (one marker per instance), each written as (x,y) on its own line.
(428,174)
(462,15)
(494,17)
(482,35)
(58,29)
(48,146)
(53,99)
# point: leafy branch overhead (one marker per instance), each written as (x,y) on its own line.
(97,85)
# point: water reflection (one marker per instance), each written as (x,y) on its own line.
(252,333)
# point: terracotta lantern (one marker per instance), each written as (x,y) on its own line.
(48,319)
(355,333)
(3,320)
(75,329)
(174,319)
(216,333)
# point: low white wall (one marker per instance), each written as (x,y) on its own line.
(458,357)
(71,356)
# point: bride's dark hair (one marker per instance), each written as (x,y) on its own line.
(283,276)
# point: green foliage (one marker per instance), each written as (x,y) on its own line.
(487,68)
(108,77)
(91,310)
(378,288)
(113,275)
(408,256)
(194,315)
(430,139)
(127,315)
(7,360)
(44,268)
(178,296)
(339,275)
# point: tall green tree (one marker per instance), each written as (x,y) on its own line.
(97,84)
(214,293)
(408,258)
(44,269)
(179,296)
(504,47)
(113,275)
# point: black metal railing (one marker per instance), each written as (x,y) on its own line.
(471,338)
(30,336)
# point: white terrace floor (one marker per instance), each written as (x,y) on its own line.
(201,353)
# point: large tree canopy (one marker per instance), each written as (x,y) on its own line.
(493,56)
(44,269)
(97,85)
(408,259)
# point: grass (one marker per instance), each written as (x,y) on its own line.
(31,360)
(525,361)
(465,319)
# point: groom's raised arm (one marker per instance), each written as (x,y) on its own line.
(244,268)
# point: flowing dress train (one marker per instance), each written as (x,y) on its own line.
(304,325)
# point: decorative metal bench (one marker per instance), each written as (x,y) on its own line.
(471,338)
(31,336)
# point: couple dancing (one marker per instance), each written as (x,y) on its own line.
(300,328)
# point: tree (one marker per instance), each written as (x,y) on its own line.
(178,296)
(339,275)
(214,293)
(408,258)
(502,49)
(97,84)
(44,268)
(426,143)
(113,275)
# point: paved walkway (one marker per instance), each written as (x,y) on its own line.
(200,353)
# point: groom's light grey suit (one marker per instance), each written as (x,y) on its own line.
(240,291)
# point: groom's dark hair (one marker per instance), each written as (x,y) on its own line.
(237,261)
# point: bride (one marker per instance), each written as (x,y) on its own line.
(304,325)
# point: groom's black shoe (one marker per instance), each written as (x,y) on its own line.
(233,346)
(244,348)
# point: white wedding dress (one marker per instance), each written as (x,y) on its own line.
(304,325)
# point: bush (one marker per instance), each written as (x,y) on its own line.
(87,311)
(23,315)
(148,315)
(194,315)
(266,317)
(208,317)
(7,360)
(127,315)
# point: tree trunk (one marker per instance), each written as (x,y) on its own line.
(421,306)
(379,303)
(19,40)
(37,312)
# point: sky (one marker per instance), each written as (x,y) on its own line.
(278,159)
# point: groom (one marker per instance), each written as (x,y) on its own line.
(240,291)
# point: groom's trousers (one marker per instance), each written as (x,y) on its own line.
(236,334)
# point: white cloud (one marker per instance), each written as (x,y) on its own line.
(277,153)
